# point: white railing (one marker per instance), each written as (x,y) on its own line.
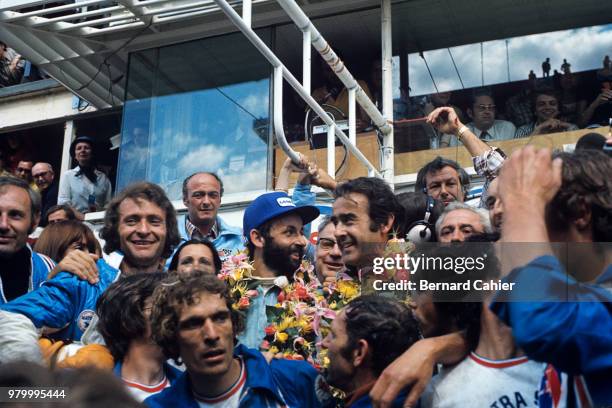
(311,36)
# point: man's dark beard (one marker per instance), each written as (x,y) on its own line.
(279,260)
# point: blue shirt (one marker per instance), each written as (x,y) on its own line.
(75,190)
(257,319)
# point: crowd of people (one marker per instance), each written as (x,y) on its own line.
(550,104)
(84,188)
(153,301)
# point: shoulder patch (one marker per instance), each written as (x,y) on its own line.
(85,318)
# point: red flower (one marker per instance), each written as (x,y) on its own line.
(243,303)
(281,297)
(270,330)
(301,293)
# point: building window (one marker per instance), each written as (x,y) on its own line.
(197,106)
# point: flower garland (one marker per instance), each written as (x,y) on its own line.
(304,310)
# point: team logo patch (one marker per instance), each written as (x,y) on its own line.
(85,318)
(285,202)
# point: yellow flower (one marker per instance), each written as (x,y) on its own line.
(285,324)
(273,350)
(348,289)
(281,337)
(304,324)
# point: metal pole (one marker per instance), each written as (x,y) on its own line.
(279,131)
(246,12)
(328,54)
(352,117)
(507,60)
(331,151)
(306,60)
(69,135)
(269,55)
(387,168)
(482,62)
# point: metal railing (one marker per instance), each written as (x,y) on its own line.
(311,36)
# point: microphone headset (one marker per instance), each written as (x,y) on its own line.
(422,231)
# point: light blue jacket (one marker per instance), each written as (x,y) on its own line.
(229,239)
(40,266)
(256,319)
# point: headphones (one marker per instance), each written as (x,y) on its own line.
(421,231)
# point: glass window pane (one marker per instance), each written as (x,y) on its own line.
(209,112)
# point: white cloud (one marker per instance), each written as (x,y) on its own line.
(209,157)
(584,48)
(257,104)
(251,177)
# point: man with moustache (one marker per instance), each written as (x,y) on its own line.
(44,177)
(274,228)
(366,215)
(193,320)
(139,233)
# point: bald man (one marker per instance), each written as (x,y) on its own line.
(44,177)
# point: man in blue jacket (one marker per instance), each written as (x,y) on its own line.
(202,194)
(365,337)
(567,200)
(21,269)
(193,319)
(139,233)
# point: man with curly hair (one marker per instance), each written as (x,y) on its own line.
(139,232)
(193,322)
(124,312)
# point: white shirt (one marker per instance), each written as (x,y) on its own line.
(141,391)
(501,130)
(76,189)
(230,398)
(479,382)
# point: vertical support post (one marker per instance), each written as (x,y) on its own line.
(331,150)
(387,170)
(246,12)
(306,60)
(352,116)
(69,135)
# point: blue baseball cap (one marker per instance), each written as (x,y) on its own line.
(272,205)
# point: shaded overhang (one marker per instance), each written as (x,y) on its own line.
(85,45)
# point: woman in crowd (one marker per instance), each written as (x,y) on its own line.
(59,239)
(196,255)
(85,188)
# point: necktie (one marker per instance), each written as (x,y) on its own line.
(485,136)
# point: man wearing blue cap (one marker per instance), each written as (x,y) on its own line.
(274,229)
(85,188)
